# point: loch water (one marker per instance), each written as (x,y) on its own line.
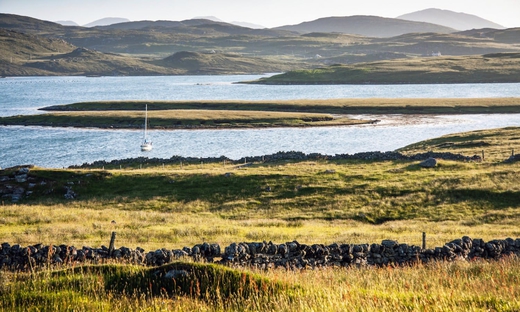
(62,147)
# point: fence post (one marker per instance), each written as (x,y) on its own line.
(482,155)
(423,240)
(111,246)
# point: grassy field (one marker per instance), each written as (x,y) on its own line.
(489,68)
(312,202)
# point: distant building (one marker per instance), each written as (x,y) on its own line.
(436,53)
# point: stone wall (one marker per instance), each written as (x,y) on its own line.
(292,155)
(265,255)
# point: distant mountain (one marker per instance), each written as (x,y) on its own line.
(210,18)
(241,24)
(248,25)
(107,21)
(196,27)
(372,26)
(459,21)
(27,24)
(67,23)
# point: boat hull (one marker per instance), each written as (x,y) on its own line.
(146,147)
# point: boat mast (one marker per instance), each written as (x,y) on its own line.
(145,121)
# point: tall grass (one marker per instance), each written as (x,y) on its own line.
(459,286)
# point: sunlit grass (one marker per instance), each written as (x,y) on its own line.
(459,286)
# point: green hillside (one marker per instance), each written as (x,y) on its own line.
(490,68)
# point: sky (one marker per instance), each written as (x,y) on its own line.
(268,13)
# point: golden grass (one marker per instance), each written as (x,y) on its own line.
(198,114)
(458,286)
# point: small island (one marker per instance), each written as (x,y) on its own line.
(251,114)
(488,68)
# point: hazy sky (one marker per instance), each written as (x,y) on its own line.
(268,13)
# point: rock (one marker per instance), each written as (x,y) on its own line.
(70,194)
(429,163)
(24,170)
(21,178)
(172,274)
(389,243)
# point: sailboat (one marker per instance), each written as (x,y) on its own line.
(146,145)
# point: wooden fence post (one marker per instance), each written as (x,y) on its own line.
(423,240)
(111,246)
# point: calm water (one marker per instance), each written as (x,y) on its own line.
(61,147)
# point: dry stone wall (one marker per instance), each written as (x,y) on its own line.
(265,255)
(292,155)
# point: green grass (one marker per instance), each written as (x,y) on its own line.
(477,286)
(122,287)
(310,201)
(361,201)
(490,68)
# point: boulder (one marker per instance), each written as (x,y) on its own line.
(428,163)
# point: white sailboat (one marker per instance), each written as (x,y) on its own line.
(146,145)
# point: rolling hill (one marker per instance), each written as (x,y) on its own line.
(459,21)
(31,55)
(25,24)
(202,27)
(151,43)
(507,36)
(224,63)
(370,26)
